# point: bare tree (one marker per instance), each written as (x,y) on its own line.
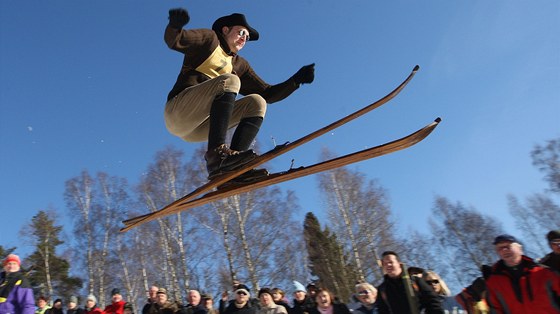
(547,159)
(464,238)
(540,213)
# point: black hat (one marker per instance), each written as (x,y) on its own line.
(505,238)
(265,290)
(553,235)
(115,291)
(233,20)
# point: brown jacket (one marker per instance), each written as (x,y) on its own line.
(207,55)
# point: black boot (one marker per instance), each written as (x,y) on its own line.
(223,159)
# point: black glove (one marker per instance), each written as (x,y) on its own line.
(305,75)
(477,288)
(486,271)
(178,18)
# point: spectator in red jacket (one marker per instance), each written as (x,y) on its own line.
(117,307)
(518,285)
(91,305)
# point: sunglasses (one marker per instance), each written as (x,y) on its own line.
(241,293)
(363,292)
(432,282)
(244,33)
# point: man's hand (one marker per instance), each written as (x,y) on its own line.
(178,18)
(305,75)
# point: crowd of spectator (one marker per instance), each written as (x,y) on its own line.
(514,284)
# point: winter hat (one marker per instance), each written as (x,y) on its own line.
(553,235)
(299,287)
(115,291)
(128,306)
(73,299)
(91,297)
(243,288)
(505,238)
(265,290)
(11,258)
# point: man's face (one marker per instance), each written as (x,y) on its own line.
(90,304)
(116,297)
(71,305)
(194,297)
(236,37)
(555,246)
(11,267)
(152,293)
(391,266)
(367,296)
(266,299)
(161,298)
(241,297)
(299,295)
(509,252)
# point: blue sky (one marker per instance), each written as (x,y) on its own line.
(83,85)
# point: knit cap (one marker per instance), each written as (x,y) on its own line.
(11,258)
(92,298)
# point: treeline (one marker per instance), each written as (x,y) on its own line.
(256,237)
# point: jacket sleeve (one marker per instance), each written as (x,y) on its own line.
(380,304)
(25,300)
(251,83)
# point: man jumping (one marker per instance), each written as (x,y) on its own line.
(203,103)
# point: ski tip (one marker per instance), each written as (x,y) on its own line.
(437,120)
(416,68)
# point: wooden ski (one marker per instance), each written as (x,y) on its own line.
(281,149)
(291,174)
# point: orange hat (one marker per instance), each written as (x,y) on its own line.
(11,258)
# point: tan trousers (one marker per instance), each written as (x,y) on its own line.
(187,114)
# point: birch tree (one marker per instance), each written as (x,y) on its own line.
(97,205)
(359,214)
(165,181)
(258,235)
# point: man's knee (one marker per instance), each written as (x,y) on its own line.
(256,106)
(232,83)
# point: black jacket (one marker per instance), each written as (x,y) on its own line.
(392,298)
